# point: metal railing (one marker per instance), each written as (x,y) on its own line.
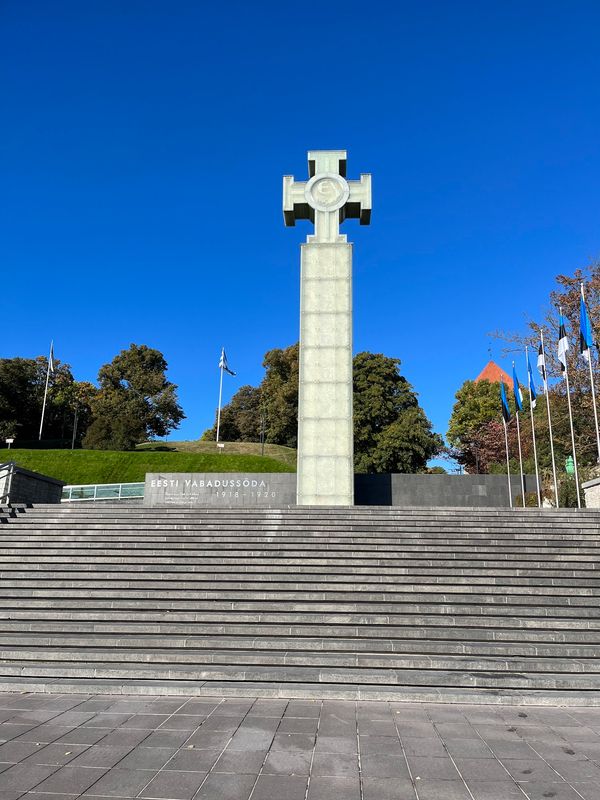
(102,491)
(6,473)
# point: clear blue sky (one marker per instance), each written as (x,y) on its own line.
(143,144)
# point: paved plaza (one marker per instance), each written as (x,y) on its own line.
(61,747)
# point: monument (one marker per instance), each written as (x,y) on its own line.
(325,439)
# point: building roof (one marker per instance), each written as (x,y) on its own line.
(494,374)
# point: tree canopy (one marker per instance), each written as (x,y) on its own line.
(391,430)
(135,401)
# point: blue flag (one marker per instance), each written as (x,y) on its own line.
(517,391)
(586,338)
(532,391)
(504,402)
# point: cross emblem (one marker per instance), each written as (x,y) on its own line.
(327,198)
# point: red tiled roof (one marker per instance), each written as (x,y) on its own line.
(494,374)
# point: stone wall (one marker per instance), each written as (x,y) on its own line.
(24,486)
(278,489)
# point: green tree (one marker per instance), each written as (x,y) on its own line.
(22,385)
(391,430)
(240,418)
(135,401)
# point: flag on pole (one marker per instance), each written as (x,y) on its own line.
(541,363)
(517,390)
(51,359)
(223,363)
(532,391)
(504,401)
(586,338)
(563,342)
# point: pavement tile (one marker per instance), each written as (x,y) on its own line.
(147,758)
(100,756)
(382,745)
(197,708)
(46,733)
(9,732)
(217,722)
(235,707)
(388,789)
(578,771)
(240,762)
(468,748)
(432,789)
(334,789)
(377,727)
(219,786)
(558,790)
(14,752)
(193,760)
(425,747)
(530,769)
(298,725)
(376,766)
(434,768)
(182,722)
(164,738)
(586,789)
(268,707)
(83,736)
(22,777)
(508,750)
(480,769)
(106,720)
(276,787)
(286,763)
(56,754)
(70,780)
(293,742)
(209,740)
(145,721)
(250,739)
(494,790)
(454,730)
(174,785)
(120,783)
(335,765)
(123,737)
(303,708)
(336,744)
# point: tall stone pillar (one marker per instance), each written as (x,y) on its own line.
(325,431)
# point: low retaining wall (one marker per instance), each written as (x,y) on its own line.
(278,489)
(19,485)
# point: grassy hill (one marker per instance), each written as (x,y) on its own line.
(108,466)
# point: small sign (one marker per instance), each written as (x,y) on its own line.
(220,445)
(9,441)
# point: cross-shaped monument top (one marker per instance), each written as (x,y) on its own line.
(327,198)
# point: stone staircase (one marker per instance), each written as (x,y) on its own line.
(369,602)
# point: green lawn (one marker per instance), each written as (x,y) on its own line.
(108,466)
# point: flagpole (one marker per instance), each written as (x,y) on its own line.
(507,464)
(549,421)
(520,459)
(221,366)
(589,360)
(535,458)
(45,392)
(566,371)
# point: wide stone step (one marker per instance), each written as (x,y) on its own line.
(441,647)
(94,654)
(497,679)
(281,604)
(441,629)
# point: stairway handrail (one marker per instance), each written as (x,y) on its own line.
(8,467)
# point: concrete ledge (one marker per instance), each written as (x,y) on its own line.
(278,490)
(20,485)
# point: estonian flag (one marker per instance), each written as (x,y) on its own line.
(563,342)
(541,364)
(532,391)
(504,401)
(586,338)
(51,360)
(517,391)
(223,363)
